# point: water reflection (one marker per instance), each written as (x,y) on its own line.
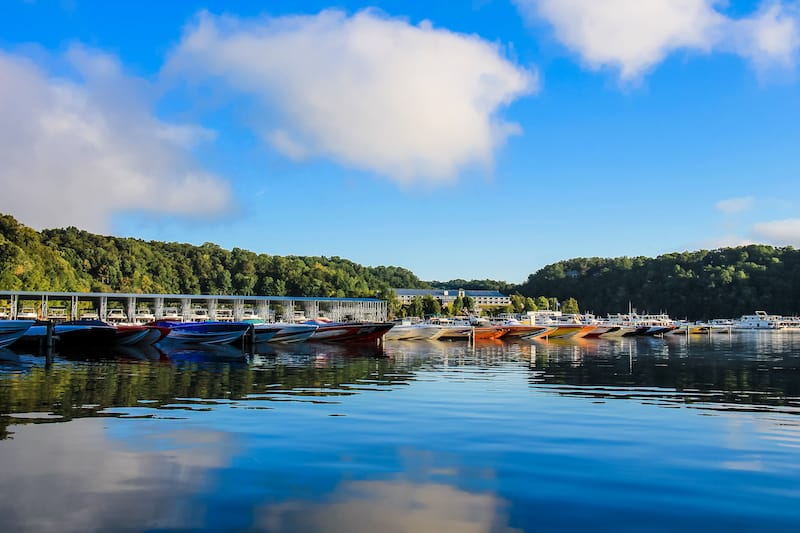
(745,369)
(433,436)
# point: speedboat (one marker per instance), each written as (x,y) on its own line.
(73,334)
(130,334)
(290,333)
(11,330)
(406,330)
(204,332)
(348,331)
(282,332)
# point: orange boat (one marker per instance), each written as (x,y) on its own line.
(489,332)
(524,331)
(570,331)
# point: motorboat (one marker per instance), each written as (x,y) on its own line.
(116,316)
(11,330)
(199,314)
(72,334)
(203,332)
(282,332)
(143,316)
(28,313)
(408,330)
(348,331)
(141,334)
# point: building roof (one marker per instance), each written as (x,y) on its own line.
(450,292)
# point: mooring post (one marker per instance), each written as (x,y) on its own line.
(49,342)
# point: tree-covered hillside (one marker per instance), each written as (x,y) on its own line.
(75,260)
(705,284)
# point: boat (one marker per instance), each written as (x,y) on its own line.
(759,320)
(143,316)
(480,333)
(28,313)
(11,330)
(199,314)
(170,313)
(348,331)
(203,332)
(72,334)
(452,329)
(408,330)
(282,332)
(116,316)
(141,334)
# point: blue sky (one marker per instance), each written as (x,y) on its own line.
(476,139)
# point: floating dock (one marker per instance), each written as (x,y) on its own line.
(186,307)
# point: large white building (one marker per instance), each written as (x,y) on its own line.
(448,296)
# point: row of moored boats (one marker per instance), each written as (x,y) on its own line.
(95,333)
(29,334)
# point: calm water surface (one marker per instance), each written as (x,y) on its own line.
(602,435)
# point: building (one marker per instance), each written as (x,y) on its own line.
(448,296)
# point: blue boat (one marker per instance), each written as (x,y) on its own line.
(204,332)
(11,330)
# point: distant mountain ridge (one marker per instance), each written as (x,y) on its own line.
(696,285)
(70,259)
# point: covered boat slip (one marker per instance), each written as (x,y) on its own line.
(187,307)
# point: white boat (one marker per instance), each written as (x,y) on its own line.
(116,316)
(224,315)
(143,316)
(289,333)
(199,314)
(171,313)
(11,330)
(759,320)
(407,330)
(28,313)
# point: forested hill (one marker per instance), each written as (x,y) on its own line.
(705,284)
(74,260)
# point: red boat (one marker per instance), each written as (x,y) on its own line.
(130,334)
(348,331)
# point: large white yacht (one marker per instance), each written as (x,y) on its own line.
(760,320)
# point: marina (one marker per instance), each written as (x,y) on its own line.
(186,307)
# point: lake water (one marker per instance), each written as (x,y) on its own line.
(590,435)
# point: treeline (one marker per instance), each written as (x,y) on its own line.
(74,260)
(726,282)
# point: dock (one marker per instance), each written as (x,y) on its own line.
(133,307)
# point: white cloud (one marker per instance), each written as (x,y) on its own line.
(632,36)
(779,232)
(725,241)
(770,38)
(75,152)
(414,103)
(732,206)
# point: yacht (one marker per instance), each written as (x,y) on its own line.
(759,320)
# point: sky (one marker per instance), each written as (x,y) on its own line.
(472,139)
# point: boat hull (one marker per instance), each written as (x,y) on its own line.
(205,332)
(12,330)
(350,332)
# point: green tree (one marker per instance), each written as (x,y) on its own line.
(570,306)
(416,308)
(431,306)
